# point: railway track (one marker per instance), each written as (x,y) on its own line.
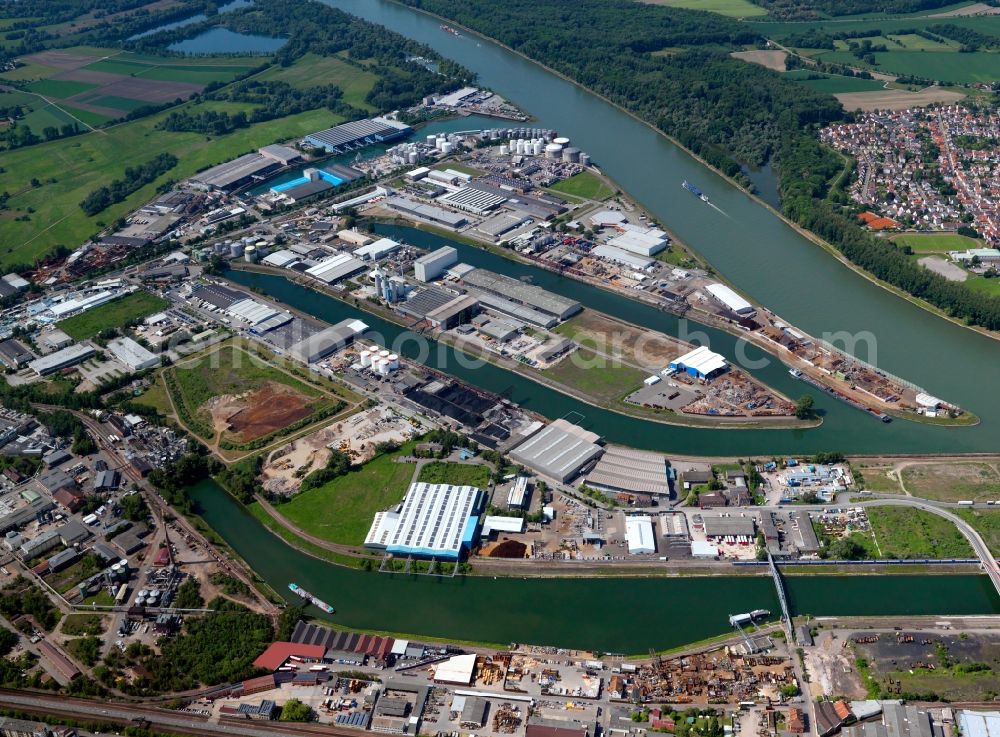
(47,705)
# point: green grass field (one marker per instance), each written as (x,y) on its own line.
(584,371)
(112,315)
(29,71)
(988,24)
(89,117)
(585,185)
(984,285)
(987,523)
(904,532)
(458,474)
(125,104)
(341,511)
(913,42)
(156,397)
(953,482)
(312,70)
(833,84)
(979,66)
(83,163)
(83,624)
(732,8)
(59,87)
(936,242)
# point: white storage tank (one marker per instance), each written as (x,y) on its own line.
(251,254)
(447,147)
(584,158)
(561,140)
(553,151)
(383,367)
(439,144)
(432,139)
(366,358)
(383,355)
(393,361)
(571,155)
(412,157)
(505,150)
(537,147)
(236,249)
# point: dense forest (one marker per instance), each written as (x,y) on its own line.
(725,110)
(816,9)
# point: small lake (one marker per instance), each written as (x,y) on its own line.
(197,18)
(224,41)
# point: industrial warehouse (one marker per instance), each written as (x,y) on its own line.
(627,470)
(435,521)
(357,134)
(558,450)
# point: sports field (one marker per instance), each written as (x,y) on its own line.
(936,242)
(732,8)
(342,510)
(114,314)
(584,185)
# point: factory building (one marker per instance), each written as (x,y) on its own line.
(534,297)
(639,535)
(630,471)
(558,451)
(441,308)
(518,496)
(474,200)
(434,521)
(132,354)
(642,241)
(701,363)
(14,354)
(618,256)
(336,268)
(432,265)
(377,249)
(428,213)
(803,535)
(62,359)
(737,529)
(320,345)
(357,134)
(258,316)
(732,301)
(243,170)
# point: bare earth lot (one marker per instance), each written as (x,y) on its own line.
(950,271)
(896,99)
(771,59)
(258,412)
(952,482)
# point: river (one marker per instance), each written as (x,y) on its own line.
(753,248)
(623,615)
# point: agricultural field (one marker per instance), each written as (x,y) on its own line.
(312,70)
(114,314)
(732,8)
(953,482)
(100,85)
(769,58)
(69,169)
(341,510)
(585,185)
(978,66)
(936,242)
(903,532)
(234,397)
(459,474)
(834,83)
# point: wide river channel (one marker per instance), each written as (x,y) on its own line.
(762,256)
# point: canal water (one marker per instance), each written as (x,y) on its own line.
(190,20)
(622,615)
(223,41)
(747,243)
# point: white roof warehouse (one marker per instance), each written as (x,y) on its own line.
(132,354)
(559,451)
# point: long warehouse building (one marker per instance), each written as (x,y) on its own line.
(358,133)
(558,451)
(731,300)
(537,298)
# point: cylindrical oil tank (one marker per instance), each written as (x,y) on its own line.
(432,139)
(393,361)
(553,151)
(412,157)
(236,249)
(383,367)
(447,147)
(383,354)
(220,248)
(584,158)
(571,155)
(251,254)
(366,358)
(505,150)
(537,147)
(561,140)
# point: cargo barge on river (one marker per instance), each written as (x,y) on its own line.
(309,598)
